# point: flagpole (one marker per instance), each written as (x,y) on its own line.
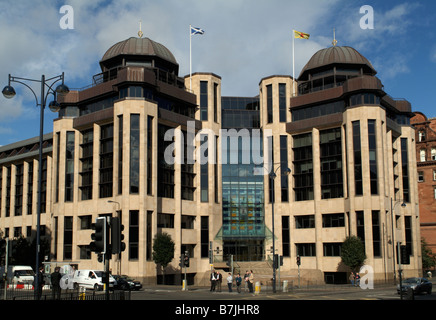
(190,58)
(293,62)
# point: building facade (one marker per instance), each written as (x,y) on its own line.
(301,166)
(426,163)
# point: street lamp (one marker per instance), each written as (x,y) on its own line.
(403,205)
(272,176)
(9,92)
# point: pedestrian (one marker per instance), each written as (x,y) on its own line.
(250,281)
(230,281)
(213,279)
(351,278)
(357,279)
(40,282)
(219,281)
(56,284)
(246,277)
(238,280)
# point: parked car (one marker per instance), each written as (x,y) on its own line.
(418,285)
(126,283)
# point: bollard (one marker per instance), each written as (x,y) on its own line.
(82,292)
(184,285)
(285,285)
(257,288)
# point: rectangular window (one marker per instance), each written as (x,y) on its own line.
(149,155)
(408,233)
(29,187)
(303,167)
(106,160)
(405,167)
(133,235)
(357,159)
(8,192)
(165,220)
(134,153)
(420,176)
(331,164)
(43,186)
(68,238)
(149,252)
(306,249)
(204,235)
(187,172)
(58,153)
(86,162)
(165,179)
(286,237)
(269,103)
(332,249)
(203,100)
(305,222)
(333,220)
(376,238)
(215,102)
(283,167)
(372,145)
(204,168)
(69,166)
(19,168)
(120,154)
(282,102)
(360,225)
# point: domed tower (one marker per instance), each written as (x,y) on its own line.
(331,67)
(142,52)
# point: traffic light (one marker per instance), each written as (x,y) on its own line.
(117,236)
(100,236)
(298,260)
(186,261)
(182,260)
(276,261)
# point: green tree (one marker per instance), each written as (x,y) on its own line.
(353,252)
(163,251)
(428,257)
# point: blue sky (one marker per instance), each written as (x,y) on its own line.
(244,41)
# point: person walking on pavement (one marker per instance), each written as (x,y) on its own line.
(230,281)
(246,277)
(351,278)
(238,280)
(250,281)
(219,281)
(213,279)
(56,284)
(357,283)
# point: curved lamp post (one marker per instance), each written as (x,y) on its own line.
(9,92)
(272,176)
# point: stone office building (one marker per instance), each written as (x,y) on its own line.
(349,147)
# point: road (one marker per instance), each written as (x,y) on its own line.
(384,292)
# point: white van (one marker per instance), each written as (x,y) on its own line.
(91,279)
(19,274)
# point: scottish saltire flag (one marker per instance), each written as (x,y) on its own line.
(195,30)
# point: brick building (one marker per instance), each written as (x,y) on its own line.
(426,164)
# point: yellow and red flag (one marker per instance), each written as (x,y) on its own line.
(301,35)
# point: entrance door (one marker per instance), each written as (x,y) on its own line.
(244,250)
